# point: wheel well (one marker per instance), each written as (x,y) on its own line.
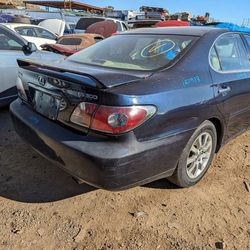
(219,129)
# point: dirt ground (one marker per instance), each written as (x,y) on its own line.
(41,207)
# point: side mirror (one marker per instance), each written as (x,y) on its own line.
(29,48)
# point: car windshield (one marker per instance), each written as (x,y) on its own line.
(134,52)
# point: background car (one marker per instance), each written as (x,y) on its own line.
(70,44)
(142,23)
(172,23)
(5,18)
(33,33)
(83,23)
(13,46)
(139,106)
(56,26)
(105,28)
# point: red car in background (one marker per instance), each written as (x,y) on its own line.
(172,23)
(70,44)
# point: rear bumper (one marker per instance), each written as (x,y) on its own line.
(8,96)
(111,164)
(5,101)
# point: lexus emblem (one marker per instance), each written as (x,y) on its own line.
(41,80)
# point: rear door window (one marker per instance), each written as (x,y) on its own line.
(42,33)
(119,27)
(26,31)
(231,53)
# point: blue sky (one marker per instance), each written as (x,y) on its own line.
(223,10)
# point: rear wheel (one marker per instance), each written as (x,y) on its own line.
(197,156)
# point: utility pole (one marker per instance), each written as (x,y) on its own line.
(67,4)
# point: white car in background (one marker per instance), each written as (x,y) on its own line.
(33,33)
(12,47)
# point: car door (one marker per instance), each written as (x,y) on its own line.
(11,48)
(43,37)
(27,32)
(230,70)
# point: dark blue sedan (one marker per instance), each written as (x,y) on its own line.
(139,106)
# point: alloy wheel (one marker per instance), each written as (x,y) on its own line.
(199,155)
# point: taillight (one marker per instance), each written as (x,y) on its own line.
(113,120)
(20,89)
(83,113)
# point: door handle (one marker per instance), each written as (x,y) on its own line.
(223,90)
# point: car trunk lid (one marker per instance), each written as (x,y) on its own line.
(56,26)
(105,77)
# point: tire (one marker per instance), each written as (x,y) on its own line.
(188,174)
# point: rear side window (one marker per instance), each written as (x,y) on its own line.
(214,59)
(70,41)
(229,54)
(119,27)
(26,31)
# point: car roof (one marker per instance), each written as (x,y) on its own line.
(104,18)
(81,35)
(13,25)
(191,31)
(16,25)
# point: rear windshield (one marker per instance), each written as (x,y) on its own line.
(135,52)
(70,41)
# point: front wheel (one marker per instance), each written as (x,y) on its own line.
(197,156)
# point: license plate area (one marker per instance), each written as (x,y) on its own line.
(47,104)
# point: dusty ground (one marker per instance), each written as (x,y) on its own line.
(42,208)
